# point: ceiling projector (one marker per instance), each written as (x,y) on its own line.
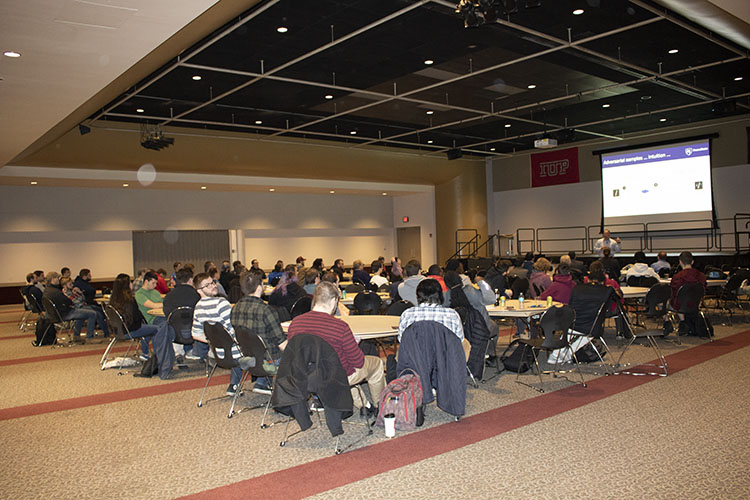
(545,143)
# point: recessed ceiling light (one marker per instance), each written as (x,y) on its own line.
(429,61)
(11,53)
(139,110)
(673,51)
(33,183)
(125,185)
(645,97)
(384,194)
(532,86)
(605,105)
(329,96)
(737,79)
(578,12)
(282,29)
(429,142)
(662,119)
(272,190)
(258,122)
(430,112)
(203,188)
(492,149)
(196,77)
(353,132)
(332,191)
(507,125)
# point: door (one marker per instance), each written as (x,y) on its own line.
(408,241)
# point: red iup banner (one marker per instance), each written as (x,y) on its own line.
(554,167)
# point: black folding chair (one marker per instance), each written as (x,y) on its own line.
(397,308)
(689,297)
(355,288)
(61,325)
(181,321)
(221,344)
(120,333)
(301,306)
(254,353)
(367,303)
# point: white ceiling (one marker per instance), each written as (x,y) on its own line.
(70,50)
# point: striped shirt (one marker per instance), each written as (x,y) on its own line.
(431,312)
(214,310)
(335,332)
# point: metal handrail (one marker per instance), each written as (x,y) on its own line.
(519,241)
(642,238)
(459,249)
(709,232)
(737,233)
(582,240)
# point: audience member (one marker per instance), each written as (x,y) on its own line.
(32,289)
(478,298)
(640,268)
(123,300)
(539,280)
(226,276)
(320,321)
(376,277)
(275,275)
(300,262)
(216,275)
(287,291)
(495,276)
(430,307)
(457,266)
(182,295)
(318,264)
(82,282)
(689,274)
(331,277)
(359,274)
(208,265)
(148,298)
(396,272)
(607,242)
(40,279)
(53,291)
(611,266)
(435,272)
(138,282)
(576,264)
(338,268)
(562,285)
(176,267)
(661,262)
(213,309)
(528,262)
(79,302)
(407,289)
(161,281)
(255,265)
(311,279)
(252,313)
(65,273)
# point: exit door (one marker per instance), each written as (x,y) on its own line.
(409,243)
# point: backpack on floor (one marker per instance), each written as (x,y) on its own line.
(403,397)
(511,357)
(45,332)
(587,353)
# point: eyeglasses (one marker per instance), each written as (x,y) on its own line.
(210,283)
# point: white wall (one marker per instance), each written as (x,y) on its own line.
(580,205)
(420,208)
(47,228)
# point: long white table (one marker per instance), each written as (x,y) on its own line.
(367,327)
(512,309)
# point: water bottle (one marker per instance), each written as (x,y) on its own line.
(497,298)
(520,301)
(343,295)
(502,301)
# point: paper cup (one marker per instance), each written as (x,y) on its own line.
(390,425)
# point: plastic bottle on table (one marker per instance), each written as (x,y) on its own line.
(549,301)
(520,301)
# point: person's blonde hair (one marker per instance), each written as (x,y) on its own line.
(542,265)
(565,259)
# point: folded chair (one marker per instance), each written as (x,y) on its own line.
(301,306)
(253,347)
(218,338)
(555,324)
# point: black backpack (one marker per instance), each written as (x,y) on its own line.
(511,357)
(45,332)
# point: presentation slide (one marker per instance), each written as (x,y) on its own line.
(666,183)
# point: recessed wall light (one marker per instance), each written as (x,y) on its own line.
(332,191)
(430,112)
(662,119)
(429,142)
(139,110)
(384,194)
(125,185)
(196,77)
(578,12)
(429,61)
(329,96)
(203,188)
(282,29)
(353,132)
(272,189)
(33,183)
(532,86)
(673,51)
(605,105)
(737,79)
(11,53)
(507,125)
(258,122)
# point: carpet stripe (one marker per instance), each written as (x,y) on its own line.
(23,336)
(108,397)
(316,477)
(55,357)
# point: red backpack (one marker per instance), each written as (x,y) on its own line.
(403,397)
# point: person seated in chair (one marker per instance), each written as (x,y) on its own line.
(82,282)
(430,307)
(286,293)
(407,289)
(321,322)
(338,268)
(360,275)
(376,277)
(311,279)
(641,268)
(661,262)
(214,309)
(332,277)
(53,291)
(562,285)
(258,317)
(689,274)
(79,302)
(435,272)
(538,279)
(123,300)
(182,295)
(32,289)
(275,275)
(611,266)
